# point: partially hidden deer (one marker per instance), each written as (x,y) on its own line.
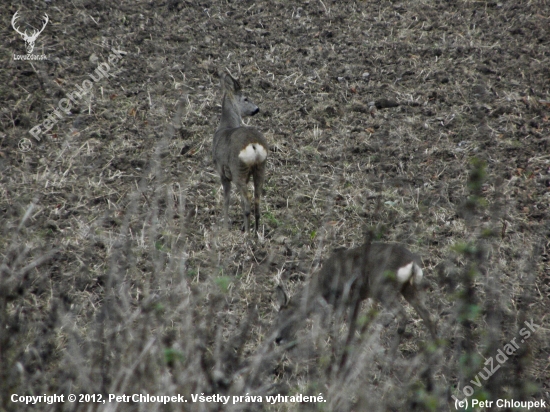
(239,152)
(380,271)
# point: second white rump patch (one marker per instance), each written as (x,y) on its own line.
(253,153)
(410,272)
(417,274)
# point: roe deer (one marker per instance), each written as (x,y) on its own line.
(377,270)
(238,151)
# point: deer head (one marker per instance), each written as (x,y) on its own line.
(29,40)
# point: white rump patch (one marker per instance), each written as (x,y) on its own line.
(417,274)
(404,273)
(253,154)
(410,272)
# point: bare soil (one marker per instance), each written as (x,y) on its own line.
(427,122)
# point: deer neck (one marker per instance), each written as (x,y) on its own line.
(231,118)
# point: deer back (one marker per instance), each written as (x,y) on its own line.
(238,149)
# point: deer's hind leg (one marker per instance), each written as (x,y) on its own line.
(226,183)
(411,294)
(258,176)
(245,200)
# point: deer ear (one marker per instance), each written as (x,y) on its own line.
(282,297)
(236,85)
(228,83)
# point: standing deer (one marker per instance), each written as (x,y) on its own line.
(238,151)
(377,270)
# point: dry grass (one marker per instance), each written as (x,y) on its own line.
(115,275)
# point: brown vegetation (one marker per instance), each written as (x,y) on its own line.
(427,122)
